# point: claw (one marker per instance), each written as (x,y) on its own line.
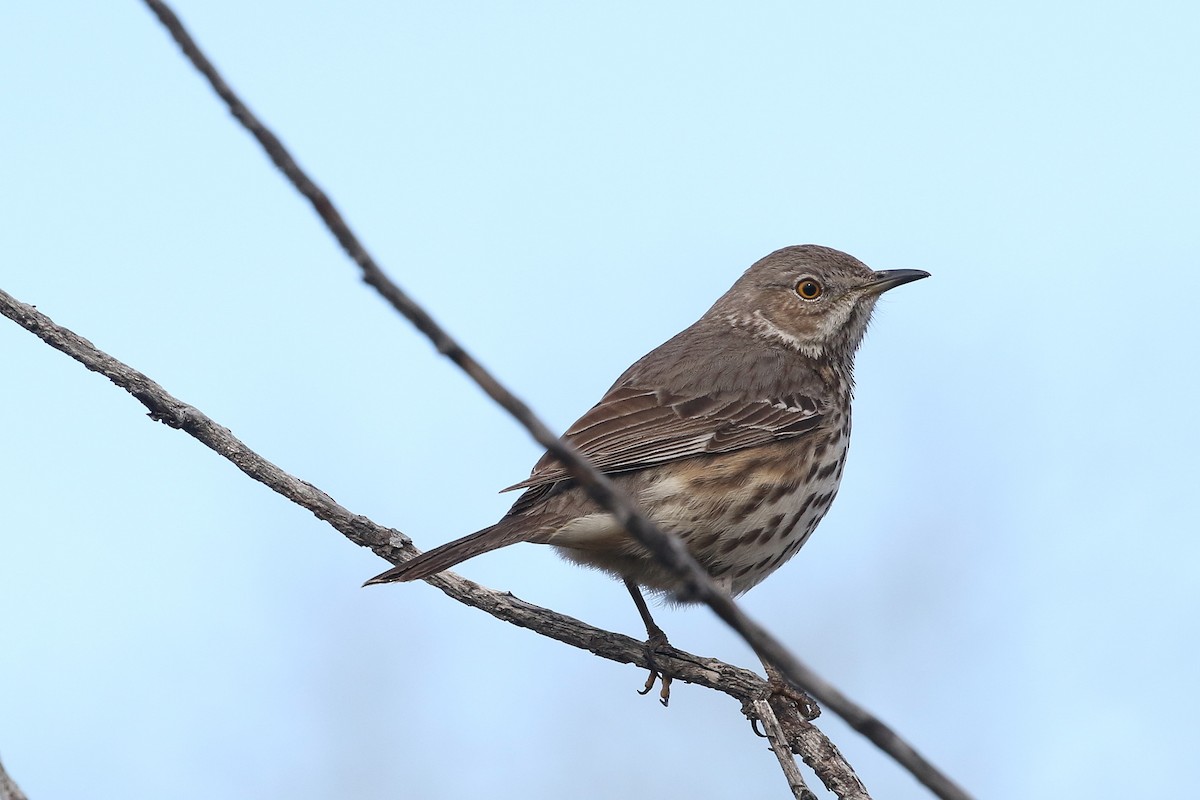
(657,639)
(664,693)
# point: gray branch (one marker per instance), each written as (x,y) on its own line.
(782,749)
(8,787)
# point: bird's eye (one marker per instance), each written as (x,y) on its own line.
(809,288)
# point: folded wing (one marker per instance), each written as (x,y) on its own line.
(633,428)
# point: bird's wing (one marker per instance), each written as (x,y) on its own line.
(633,428)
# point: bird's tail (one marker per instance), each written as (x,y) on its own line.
(443,558)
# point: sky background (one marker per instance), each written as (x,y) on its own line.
(1009,575)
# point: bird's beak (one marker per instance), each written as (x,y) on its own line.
(891,278)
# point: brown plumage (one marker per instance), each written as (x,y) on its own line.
(732,434)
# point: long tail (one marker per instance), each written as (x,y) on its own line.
(443,558)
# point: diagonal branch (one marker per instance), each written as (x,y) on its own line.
(668,549)
(742,685)
(781,747)
(8,787)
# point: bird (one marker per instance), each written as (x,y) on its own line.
(732,435)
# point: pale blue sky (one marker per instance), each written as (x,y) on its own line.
(1009,575)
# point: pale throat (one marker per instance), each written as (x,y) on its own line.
(759,323)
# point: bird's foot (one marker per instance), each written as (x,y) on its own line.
(657,639)
(779,690)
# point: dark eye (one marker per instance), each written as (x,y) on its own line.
(809,288)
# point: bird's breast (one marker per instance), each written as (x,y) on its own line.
(744,514)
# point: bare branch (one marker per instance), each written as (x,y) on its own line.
(394,546)
(668,549)
(782,749)
(8,787)
(818,752)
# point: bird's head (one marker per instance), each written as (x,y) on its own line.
(813,299)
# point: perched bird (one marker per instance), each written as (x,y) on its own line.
(731,435)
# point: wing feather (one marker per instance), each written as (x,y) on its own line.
(633,428)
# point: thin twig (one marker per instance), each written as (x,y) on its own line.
(8,787)
(394,546)
(782,749)
(669,550)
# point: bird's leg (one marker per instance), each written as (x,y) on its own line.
(778,687)
(655,638)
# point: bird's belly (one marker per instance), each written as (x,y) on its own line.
(742,515)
